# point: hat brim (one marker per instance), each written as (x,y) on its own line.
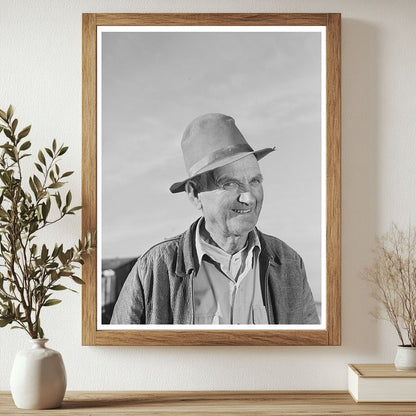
(259,154)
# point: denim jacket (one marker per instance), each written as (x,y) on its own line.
(159,288)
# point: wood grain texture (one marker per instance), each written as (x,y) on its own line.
(211,19)
(330,336)
(381,371)
(212,338)
(261,403)
(89,173)
(333,244)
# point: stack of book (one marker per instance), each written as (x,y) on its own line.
(381,383)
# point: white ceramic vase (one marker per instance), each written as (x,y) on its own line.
(38,377)
(405,358)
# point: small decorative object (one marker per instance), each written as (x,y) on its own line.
(38,379)
(393,276)
(30,272)
(405,358)
(381,383)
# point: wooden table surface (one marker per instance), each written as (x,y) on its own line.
(212,403)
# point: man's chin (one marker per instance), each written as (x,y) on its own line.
(243,227)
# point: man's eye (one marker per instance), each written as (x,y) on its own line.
(229,186)
(256,181)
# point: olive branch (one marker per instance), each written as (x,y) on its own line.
(31,273)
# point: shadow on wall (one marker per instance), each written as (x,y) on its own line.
(361,120)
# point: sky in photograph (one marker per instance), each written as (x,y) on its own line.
(155,84)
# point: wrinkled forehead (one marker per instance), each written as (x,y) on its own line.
(246,167)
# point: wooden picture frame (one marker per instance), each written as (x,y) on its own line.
(330,334)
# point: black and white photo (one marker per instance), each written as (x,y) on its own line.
(271,83)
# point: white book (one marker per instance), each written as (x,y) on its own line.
(381,383)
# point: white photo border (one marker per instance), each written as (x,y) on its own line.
(225,29)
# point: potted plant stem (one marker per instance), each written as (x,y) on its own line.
(393,277)
(31,273)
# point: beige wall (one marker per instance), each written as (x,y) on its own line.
(40,73)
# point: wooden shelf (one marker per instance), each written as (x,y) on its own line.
(212,403)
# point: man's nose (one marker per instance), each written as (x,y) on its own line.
(246,197)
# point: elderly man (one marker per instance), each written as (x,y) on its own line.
(222,270)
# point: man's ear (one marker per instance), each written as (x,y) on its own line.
(193,194)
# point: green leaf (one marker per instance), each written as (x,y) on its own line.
(56,185)
(10,112)
(8,133)
(45,211)
(76,279)
(5,321)
(25,145)
(63,151)
(4,298)
(34,249)
(55,251)
(67,174)
(59,287)
(41,157)
(44,253)
(5,179)
(37,183)
(54,145)
(68,199)
(39,167)
(9,151)
(62,257)
(58,199)
(14,125)
(60,249)
(40,332)
(3,115)
(49,152)
(42,194)
(76,208)
(34,226)
(33,187)
(24,132)
(51,302)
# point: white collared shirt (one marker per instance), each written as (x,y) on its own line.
(227,287)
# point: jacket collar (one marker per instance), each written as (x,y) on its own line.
(187,260)
(267,254)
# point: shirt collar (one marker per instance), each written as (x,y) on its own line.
(203,246)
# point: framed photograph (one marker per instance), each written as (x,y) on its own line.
(211,172)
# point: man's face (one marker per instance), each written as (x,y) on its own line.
(231,204)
